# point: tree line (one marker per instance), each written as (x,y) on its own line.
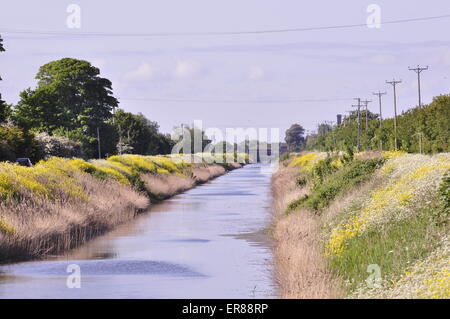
(72,111)
(423,129)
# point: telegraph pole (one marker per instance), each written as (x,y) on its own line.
(418,70)
(420,134)
(358,145)
(394,84)
(366,102)
(380,94)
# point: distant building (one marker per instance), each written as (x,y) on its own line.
(339,119)
(283,148)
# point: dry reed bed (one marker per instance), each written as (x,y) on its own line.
(60,204)
(299,267)
(43,227)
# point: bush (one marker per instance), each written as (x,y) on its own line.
(340,182)
(16,142)
(58,146)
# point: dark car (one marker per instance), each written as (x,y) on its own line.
(24,162)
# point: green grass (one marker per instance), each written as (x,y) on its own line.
(391,246)
(330,183)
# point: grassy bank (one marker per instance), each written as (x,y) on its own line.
(372,226)
(61,203)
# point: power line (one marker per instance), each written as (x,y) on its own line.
(216,33)
(234,101)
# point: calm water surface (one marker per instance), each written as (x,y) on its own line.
(209,242)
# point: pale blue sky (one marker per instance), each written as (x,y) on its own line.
(324,64)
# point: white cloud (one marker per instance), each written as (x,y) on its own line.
(143,72)
(256,73)
(186,69)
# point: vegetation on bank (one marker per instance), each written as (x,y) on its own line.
(378,209)
(60,203)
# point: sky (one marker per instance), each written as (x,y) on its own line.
(218,78)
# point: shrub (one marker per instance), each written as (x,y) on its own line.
(58,146)
(16,142)
(340,182)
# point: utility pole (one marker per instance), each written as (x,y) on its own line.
(394,84)
(380,94)
(98,140)
(418,70)
(366,102)
(420,141)
(358,144)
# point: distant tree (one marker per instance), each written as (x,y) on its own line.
(139,135)
(71,95)
(195,132)
(295,138)
(165,143)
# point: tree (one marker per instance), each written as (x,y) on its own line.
(16,142)
(5,111)
(3,106)
(70,95)
(139,135)
(295,138)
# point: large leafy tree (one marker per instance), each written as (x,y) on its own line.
(70,94)
(295,138)
(70,97)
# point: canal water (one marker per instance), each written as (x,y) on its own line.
(210,242)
